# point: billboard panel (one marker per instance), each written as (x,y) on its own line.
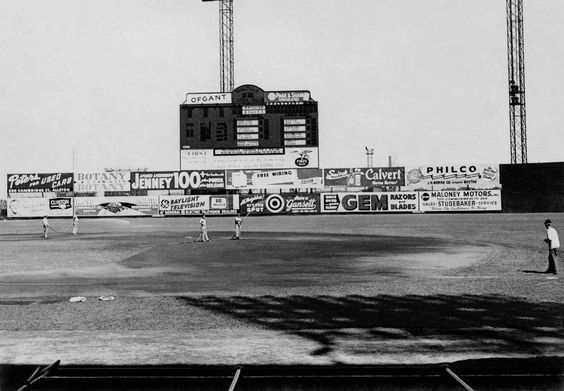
(297,128)
(178,180)
(290,157)
(40,183)
(294,142)
(196,204)
(274,179)
(247,122)
(294,135)
(369,202)
(287,96)
(246,151)
(39,207)
(247,143)
(364,177)
(301,203)
(460,201)
(466,176)
(248,136)
(279,203)
(294,121)
(86,182)
(212,98)
(117,206)
(247,129)
(35,195)
(253,110)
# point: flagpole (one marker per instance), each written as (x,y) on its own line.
(73,182)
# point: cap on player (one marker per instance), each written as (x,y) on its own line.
(547,221)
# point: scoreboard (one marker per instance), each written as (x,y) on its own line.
(249,128)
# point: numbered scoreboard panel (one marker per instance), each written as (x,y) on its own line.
(248,119)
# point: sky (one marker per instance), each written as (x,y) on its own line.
(422,81)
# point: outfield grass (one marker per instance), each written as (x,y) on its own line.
(367,289)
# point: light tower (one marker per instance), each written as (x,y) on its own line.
(516,73)
(369,157)
(226,73)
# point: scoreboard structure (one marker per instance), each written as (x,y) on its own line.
(249,128)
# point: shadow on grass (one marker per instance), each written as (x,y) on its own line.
(413,323)
(533,271)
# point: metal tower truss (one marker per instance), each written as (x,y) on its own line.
(226,61)
(226,45)
(516,73)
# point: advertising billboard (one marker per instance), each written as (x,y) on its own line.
(364,177)
(254,158)
(374,202)
(301,203)
(40,183)
(287,96)
(117,206)
(208,98)
(465,176)
(178,180)
(279,203)
(87,182)
(274,179)
(196,204)
(39,207)
(460,201)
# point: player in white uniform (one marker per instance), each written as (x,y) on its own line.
(553,246)
(238,222)
(45,227)
(75,225)
(203,230)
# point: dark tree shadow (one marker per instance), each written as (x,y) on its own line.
(533,271)
(476,323)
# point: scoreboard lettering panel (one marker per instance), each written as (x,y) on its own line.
(248,117)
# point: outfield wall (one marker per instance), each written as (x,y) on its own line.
(259,204)
(426,189)
(138,183)
(536,187)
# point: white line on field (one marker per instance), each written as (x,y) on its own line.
(479,277)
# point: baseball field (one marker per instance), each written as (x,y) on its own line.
(320,290)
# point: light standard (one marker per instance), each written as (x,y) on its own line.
(369,157)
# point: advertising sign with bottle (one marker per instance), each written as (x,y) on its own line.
(364,177)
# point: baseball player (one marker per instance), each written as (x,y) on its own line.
(238,222)
(203,230)
(553,246)
(75,224)
(45,227)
